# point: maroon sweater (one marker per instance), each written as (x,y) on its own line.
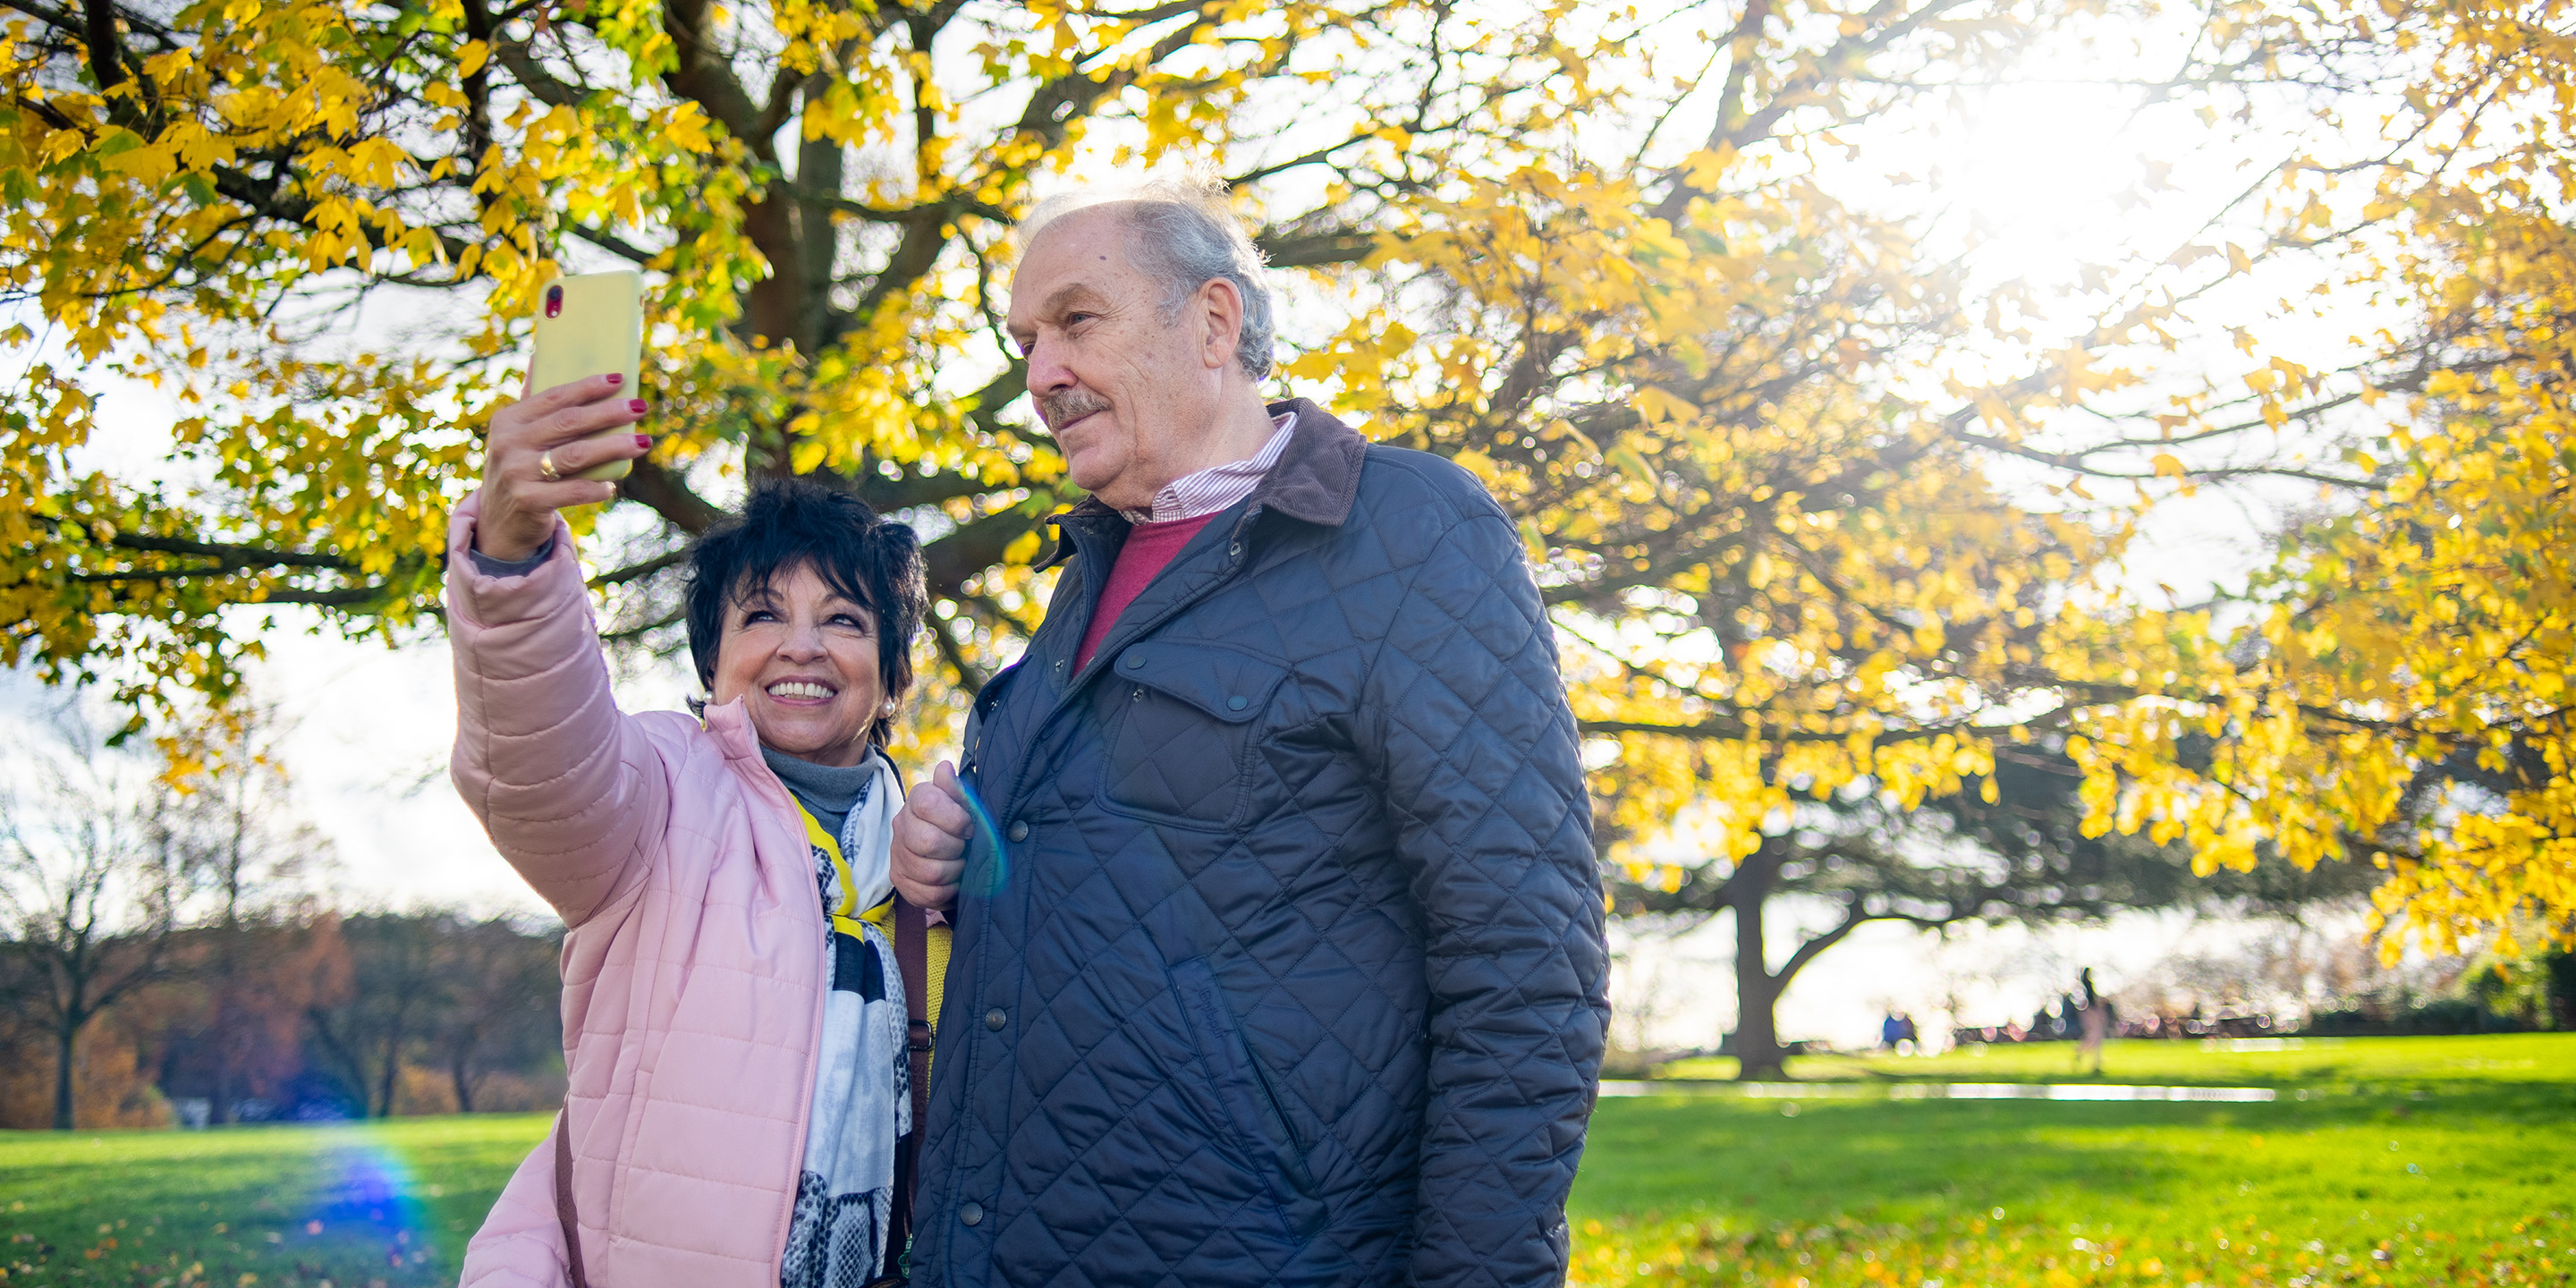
(1149,547)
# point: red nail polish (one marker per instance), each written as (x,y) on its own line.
(616,378)
(635,405)
(643,441)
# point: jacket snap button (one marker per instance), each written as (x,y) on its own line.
(1020,830)
(971,1213)
(1237,703)
(1135,662)
(997,1017)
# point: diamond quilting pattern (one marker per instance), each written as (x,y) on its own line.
(1382,864)
(1171,760)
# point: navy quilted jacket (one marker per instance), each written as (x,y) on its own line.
(1283,961)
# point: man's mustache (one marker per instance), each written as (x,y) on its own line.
(1066,406)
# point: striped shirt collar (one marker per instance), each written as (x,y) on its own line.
(1218,486)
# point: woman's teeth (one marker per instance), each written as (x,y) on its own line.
(798,689)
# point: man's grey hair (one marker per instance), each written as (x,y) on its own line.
(1182,234)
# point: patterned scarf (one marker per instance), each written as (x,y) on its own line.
(841,1234)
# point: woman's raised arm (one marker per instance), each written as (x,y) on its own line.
(570,791)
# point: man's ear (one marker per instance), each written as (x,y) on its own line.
(1220,310)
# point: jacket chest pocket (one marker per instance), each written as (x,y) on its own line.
(1187,722)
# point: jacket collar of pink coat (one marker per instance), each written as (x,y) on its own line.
(730,726)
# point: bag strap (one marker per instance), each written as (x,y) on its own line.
(563,1198)
(912,959)
(912,962)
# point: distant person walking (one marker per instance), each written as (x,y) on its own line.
(2094,1022)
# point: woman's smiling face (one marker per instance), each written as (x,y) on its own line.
(804,658)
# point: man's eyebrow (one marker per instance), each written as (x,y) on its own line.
(1070,294)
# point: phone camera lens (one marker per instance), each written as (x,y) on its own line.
(554,301)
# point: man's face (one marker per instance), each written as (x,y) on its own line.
(1127,394)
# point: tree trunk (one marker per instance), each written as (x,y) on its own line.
(457,1071)
(393,1069)
(227,971)
(1757,992)
(819,169)
(219,1110)
(66,1041)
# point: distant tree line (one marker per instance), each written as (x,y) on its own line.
(2493,995)
(163,958)
(298,1015)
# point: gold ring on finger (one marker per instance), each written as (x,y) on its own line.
(546,467)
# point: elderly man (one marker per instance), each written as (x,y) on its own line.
(1278,949)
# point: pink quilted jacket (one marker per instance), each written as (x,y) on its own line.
(692,970)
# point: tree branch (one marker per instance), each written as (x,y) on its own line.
(233,557)
(532,76)
(639,571)
(1283,249)
(1854,916)
(954,653)
(972,548)
(701,74)
(106,53)
(666,494)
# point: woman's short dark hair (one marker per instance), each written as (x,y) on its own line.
(873,563)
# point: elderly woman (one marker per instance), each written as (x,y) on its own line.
(736,1026)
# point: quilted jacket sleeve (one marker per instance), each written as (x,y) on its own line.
(569,789)
(1469,725)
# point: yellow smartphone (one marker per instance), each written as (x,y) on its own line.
(590,325)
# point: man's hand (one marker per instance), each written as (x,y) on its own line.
(930,840)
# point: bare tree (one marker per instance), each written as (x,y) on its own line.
(398,997)
(94,863)
(250,850)
(502,1002)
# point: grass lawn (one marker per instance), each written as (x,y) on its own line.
(2418,1161)
(2321,1063)
(2432,1161)
(383,1203)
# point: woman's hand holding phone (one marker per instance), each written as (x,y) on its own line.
(537,447)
